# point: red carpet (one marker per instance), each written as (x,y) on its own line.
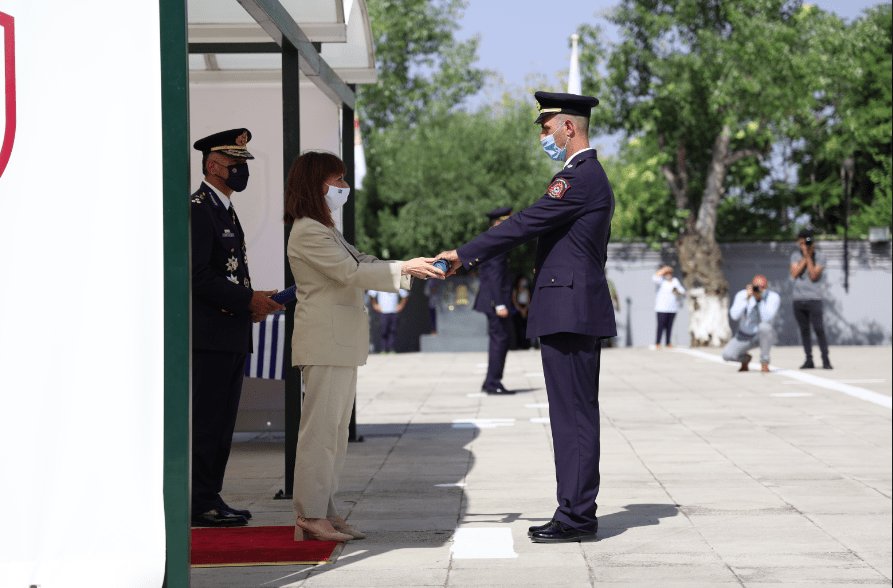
(247,546)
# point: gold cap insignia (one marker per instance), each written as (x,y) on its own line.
(242,140)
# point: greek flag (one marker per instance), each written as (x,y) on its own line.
(269,340)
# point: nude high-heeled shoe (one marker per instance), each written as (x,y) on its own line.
(342,527)
(317,530)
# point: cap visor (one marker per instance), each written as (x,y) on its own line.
(237,153)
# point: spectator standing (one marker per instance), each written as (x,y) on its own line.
(388,305)
(807,267)
(521,302)
(666,303)
(754,308)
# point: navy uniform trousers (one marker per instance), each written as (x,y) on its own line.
(571,367)
(216,390)
(497,349)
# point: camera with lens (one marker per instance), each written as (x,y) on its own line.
(808,241)
(755,289)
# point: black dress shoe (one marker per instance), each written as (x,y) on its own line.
(826,364)
(224,507)
(808,365)
(536,528)
(496,390)
(215,518)
(558,532)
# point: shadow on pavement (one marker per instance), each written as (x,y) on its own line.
(634,515)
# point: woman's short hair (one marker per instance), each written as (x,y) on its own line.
(304,193)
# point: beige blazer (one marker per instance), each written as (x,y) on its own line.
(331,320)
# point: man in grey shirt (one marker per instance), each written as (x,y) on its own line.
(806,271)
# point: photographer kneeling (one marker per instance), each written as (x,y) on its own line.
(755,306)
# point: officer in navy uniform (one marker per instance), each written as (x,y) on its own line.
(223,306)
(494,299)
(571,308)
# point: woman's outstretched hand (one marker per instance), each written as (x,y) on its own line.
(421,267)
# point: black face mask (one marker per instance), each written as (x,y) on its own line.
(238,177)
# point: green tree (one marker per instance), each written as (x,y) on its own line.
(643,204)
(713,84)
(851,121)
(433,182)
(421,67)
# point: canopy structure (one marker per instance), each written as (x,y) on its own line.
(339,30)
(287,70)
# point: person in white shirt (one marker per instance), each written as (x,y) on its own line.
(754,308)
(388,305)
(666,302)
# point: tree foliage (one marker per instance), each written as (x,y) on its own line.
(713,91)
(432,183)
(422,68)
(851,120)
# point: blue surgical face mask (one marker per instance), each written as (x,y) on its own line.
(238,177)
(551,148)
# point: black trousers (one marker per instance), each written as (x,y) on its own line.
(216,389)
(665,324)
(571,364)
(809,312)
(498,348)
(388,325)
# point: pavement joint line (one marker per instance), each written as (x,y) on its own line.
(669,495)
(773,490)
(854,391)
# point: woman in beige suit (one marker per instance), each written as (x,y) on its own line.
(331,336)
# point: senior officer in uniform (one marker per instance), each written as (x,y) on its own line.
(223,306)
(571,308)
(493,299)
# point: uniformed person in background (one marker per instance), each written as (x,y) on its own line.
(571,308)
(223,306)
(493,299)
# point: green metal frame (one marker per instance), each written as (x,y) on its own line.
(177,277)
(298,54)
(281,27)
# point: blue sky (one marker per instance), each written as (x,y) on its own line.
(523,39)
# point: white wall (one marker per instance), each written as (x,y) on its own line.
(81,317)
(217,107)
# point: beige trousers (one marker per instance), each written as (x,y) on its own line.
(329,393)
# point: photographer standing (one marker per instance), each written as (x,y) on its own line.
(754,307)
(806,271)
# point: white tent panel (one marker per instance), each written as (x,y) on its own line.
(354,61)
(258,107)
(346,44)
(231,12)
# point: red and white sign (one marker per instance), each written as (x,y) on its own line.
(8,87)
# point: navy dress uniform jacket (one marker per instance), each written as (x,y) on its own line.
(221,286)
(496,285)
(573,224)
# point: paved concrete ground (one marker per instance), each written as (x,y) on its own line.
(709,477)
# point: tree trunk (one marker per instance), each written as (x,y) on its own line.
(701,259)
(707,297)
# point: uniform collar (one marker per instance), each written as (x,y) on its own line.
(571,158)
(223,199)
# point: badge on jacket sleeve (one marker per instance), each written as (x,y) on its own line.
(558,188)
